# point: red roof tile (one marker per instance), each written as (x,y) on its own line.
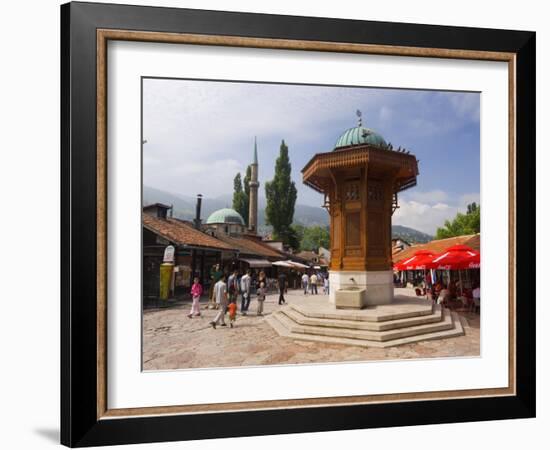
(396,250)
(251,246)
(308,255)
(182,234)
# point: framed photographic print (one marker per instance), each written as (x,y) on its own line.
(292,224)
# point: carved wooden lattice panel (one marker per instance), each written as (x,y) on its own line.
(352,191)
(375,194)
(336,231)
(353,229)
(376,233)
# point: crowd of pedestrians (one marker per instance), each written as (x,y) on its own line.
(227,290)
(311,282)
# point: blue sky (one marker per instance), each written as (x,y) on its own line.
(201,133)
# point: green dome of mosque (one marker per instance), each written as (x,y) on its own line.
(225,215)
(359,136)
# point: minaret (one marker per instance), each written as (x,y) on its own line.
(253,185)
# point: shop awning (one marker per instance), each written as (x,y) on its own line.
(255,263)
(291,264)
(283,264)
(297,264)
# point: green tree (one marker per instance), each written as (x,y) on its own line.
(240,200)
(299,231)
(315,237)
(281,196)
(290,238)
(462,224)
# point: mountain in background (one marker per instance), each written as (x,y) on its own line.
(184,208)
(410,235)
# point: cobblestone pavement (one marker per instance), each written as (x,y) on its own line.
(173,341)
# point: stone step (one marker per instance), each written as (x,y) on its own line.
(282,330)
(402,307)
(445,324)
(301,319)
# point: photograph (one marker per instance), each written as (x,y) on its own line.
(287,224)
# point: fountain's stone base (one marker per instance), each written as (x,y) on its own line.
(405,321)
(378,285)
(364,312)
(350,298)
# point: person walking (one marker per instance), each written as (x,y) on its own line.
(313,284)
(196,292)
(246,282)
(233,286)
(282,286)
(261,299)
(305,281)
(215,275)
(326,286)
(232,308)
(262,279)
(220,291)
(476,294)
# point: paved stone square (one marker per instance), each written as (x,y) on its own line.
(173,341)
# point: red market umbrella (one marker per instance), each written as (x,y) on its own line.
(419,261)
(455,258)
(473,262)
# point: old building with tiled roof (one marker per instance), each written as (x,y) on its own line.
(183,234)
(249,246)
(195,252)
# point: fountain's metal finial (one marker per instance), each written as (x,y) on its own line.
(360,120)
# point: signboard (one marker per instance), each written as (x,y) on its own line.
(169,254)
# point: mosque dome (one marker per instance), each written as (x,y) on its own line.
(359,136)
(225,215)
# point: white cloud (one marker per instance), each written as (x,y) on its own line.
(424,211)
(193,126)
(422,216)
(195,113)
(200,134)
(211,178)
(428,196)
(466,199)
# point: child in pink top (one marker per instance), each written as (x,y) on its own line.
(196,292)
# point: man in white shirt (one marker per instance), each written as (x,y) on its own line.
(476,295)
(305,281)
(245,292)
(313,283)
(220,293)
(444,296)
